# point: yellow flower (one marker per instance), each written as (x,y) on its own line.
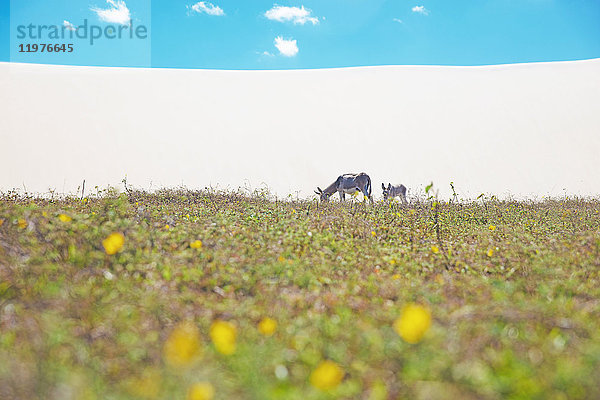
(492,227)
(223,335)
(1,221)
(327,375)
(22,223)
(435,249)
(167,226)
(113,243)
(196,244)
(490,253)
(64,218)
(201,391)
(373,233)
(183,345)
(413,323)
(44,214)
(396,277)
(267,326)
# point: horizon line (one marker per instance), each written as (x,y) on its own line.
(307,69)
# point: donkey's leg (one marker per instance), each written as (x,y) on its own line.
(365,193)
(342,195)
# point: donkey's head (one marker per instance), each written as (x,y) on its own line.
(322,195)
(386,190)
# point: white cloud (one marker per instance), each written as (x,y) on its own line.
(207,8)
(69,25)
(420,10)
(288,48)
(398,20)
(294,14)
(116,13)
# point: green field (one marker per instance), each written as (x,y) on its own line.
(512,287)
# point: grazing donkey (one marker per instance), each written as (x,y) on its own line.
(347,183)
(390,192)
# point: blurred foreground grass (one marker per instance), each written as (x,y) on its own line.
(200,295)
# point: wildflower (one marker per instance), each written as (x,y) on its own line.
(64,218)
(1,221)
(267,326)
(435,249)
(373,233)
(396,277)
(327,375)
(44,214)
(490,252)
(281,372)
(413,323)
(223,335)
(113,243)
(22,223)
(196,244)
(201,391)
(167,226)
(183,345)
(492,227)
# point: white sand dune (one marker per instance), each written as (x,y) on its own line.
(527,130)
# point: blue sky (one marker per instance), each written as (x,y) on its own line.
(235,34)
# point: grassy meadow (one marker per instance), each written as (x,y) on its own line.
(198,295)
